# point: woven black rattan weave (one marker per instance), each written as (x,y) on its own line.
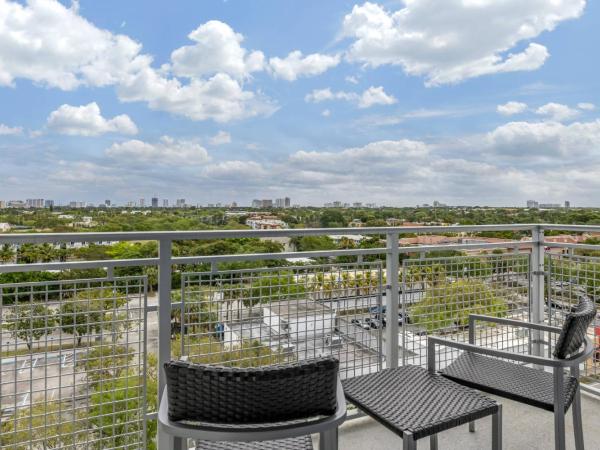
(231,395)
(299,443)
(575,328)
(515,381)
(411,399)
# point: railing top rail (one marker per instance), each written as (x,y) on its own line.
(35,267)
(575,228)
(18,238)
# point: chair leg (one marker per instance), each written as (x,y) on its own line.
(180,443)
(497,429)
(559,409)
(472,426)
(408,441)
(577,422)
(433,442)
(328,440)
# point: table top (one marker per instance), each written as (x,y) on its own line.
(410,399)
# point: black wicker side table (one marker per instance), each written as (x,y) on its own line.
(414,403)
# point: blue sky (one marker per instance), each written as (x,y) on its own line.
(401,102)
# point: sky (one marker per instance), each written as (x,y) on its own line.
(468,102)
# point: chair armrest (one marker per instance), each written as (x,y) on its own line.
(264,432)
(513,322)
(529,359)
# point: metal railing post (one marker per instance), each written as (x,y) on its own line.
(391,300)
(164,320)
(537,288)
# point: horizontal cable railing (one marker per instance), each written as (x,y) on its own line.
(369,307)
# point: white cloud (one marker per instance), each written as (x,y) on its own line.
(220,98)
(546,139)
(375,96)
(216,49)
(511,108)
(50,44)
(351,79)
(388,154)
(370,97)
(233,169)
(5,130)
(586,106)
(295,65)
(87,120)
(222,137)
(557,112)
(453,40)
(166,152)
(321,95)
(84,173)
(326,113)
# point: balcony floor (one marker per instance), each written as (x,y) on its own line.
(524,427)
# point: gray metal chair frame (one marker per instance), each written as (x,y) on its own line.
(327,428)
(558,367)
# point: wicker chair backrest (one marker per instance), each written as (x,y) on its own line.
(232,395)
(575,328)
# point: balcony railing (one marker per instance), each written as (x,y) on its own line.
(81,356)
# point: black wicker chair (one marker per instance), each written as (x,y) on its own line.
(273,407)
(481,368)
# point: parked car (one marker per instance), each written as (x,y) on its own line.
(374,323)
(363,324)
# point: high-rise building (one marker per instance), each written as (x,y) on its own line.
(165,203)
(107,203)
(567,204)
(337,204)
(288,202)
(532,204)
(279,203)
(142,202)
(256,203)
(155,202)
(49,204)
(180,202)
(34,203)
(2,204)
(357,205)
(266,203)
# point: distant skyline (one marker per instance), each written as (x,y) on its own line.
(396,103)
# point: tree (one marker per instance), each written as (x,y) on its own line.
(106,362)
(332,219)
(7,254)
(28,254)
(30,322)
(51,423)
(81,317)
(450,304)
(313,243)
(116,412)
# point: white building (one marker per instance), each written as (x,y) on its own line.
(337,238)
(4,227)
(286,325)
(265,224)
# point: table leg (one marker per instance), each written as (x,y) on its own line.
(433,442)
(408,441)
(497,429)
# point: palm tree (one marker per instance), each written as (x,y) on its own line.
(28,254)
(7,254)
(47,253)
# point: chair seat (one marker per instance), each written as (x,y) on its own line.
(507,379)
(298,443)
